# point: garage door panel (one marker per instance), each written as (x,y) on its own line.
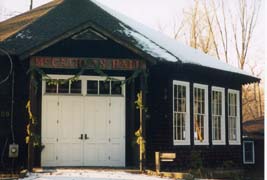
(102,154)
(115,150)
(49,154)
(70,123)
(89,118)
(116,128)
(90,154)
(101,118)
(69,154)
(50,117)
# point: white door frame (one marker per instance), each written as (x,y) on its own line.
(83,96)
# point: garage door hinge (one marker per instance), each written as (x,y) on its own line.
(58,103)
(56,158)
(57,139)
(109,139)
(57,121)
(110,104)
(109,158)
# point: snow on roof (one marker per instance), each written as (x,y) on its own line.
(147,45)
(163,47)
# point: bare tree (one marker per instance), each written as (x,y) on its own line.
(200,36)
(209,20)
(206,27)
(31,4)
(244,26)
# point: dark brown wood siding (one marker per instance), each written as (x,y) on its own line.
(159,124)
(21,95)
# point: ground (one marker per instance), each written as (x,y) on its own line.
(88,174)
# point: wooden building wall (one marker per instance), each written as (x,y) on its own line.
(98,49)
(159,103)
(20,115)
(160,110)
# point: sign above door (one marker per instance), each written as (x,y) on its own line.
(86,63)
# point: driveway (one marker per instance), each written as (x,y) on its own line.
(88,174)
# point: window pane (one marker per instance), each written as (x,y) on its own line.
(50,87)
(184,91)
(92,87)
(232,115)
(76,87)
(116,87)
(216,114)
(63,86)
(179,119)
(175,92)
(199,113)
(104,87)
(183,105)
(248,151)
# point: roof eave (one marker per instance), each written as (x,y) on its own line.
(124,43)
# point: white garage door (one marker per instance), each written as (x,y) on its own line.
(85,128)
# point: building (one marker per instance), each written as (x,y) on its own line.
(71,59)
(253,145)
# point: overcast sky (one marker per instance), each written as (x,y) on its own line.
(149,12)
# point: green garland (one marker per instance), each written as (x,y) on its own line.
(97,70)
(34,70)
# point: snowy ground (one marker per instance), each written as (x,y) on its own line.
(86,174)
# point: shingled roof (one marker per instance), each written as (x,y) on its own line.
(28,33)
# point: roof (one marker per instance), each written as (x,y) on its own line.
(254,128)
(17,23)
(43,25)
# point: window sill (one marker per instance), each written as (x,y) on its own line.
(181,143)
(218,143)
(234,143)
(249,163)
(198,143)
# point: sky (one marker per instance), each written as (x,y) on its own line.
(153,13)
(149,12)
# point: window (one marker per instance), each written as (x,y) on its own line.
(50,87)
(102,87)
(85,85)
(218,115)
(76,87)
(92,87)
(201,132)
(233,117)
(63,86)
(116,87)
(181,113)
(248,152)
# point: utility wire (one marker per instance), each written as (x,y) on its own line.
(11,66)
(11,73)
(12,109)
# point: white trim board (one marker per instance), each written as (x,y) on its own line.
(187,119)
(206,117)
(223,129)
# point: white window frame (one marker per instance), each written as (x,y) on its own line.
(187,119)
(253,152)
(83,79)
(222,90)
(206,118)
(238,138)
